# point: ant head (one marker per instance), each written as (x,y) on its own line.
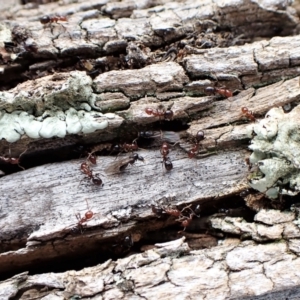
(93,159)
(168,115)
(149,111)
(165,146)
(89,214)
(128,242)
(200,135)
(45,19)
(209,90)
(244,109)
(116,148)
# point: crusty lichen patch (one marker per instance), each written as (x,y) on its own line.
(53,106)
(276,153)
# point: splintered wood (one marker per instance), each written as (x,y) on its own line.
(132,122)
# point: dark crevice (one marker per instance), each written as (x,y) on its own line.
(73,147)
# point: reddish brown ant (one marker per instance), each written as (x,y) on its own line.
(199,137)
(125,147)
(92,158)
(248,114)
(87,216)
(50,20)
(130,147)
(172,212)
(161,112)
(175,212)
(221,91)
(91,155)
(85,169)
(165,150)
(13,160)
(10,160)
(185,221)
(166,210)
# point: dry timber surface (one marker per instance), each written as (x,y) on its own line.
(98,73)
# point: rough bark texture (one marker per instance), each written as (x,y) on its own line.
(87,82)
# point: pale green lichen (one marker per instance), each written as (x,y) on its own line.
(10,128)
(50,124)
(276,153)
(73,123)
(66,106)
(30,125)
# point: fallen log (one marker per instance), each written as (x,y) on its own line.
(70,90)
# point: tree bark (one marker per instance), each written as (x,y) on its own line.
(88,82)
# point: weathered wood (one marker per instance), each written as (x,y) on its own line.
(90,81)
(233,270)
(53,193)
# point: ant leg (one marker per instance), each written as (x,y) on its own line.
(51,28)
(89,211)
(78,216)
(175,144)
(81,181)
(21,167)
(20,157)
(187,207)
(89,156)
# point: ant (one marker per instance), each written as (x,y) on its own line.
(85,169)
(122,164)
(161,112)
(50,20)
(175,212)
(199,137)
(126,147)
(221,91)
(87,216)
(91,155)
(185,221)
(248,114)
(92,158)
(53,19)
(159,211)
(13,160)
(165,150)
